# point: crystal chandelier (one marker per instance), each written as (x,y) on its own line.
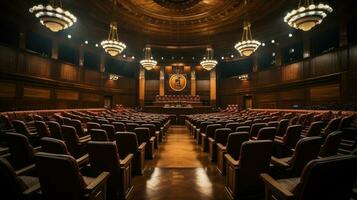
(308,15)
(53,16)
(112,45)
(247,46)
(148,62)
(209,63)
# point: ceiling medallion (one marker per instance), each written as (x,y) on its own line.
(112,45)
(53,16)
(209,63)
(247,46)
(148,63)
(177,4)
(308,15)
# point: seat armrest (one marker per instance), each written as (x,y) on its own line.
(39,148)
(127,159)
(279,137)
(221,147)
(25,170)
(278,141)
(32,189)
(273,185)
(277,162)
(211,140)
(254,138)
(152,139)
(142,146)
(84,160)
(231,160)
(97,182)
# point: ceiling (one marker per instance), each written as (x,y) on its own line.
(182,27)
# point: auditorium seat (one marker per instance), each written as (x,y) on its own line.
(306,150)
(220,136)
(21,127)
(329,178)
(243,179)
(243,129)
(7,125)
(153,133)
(17,185)
(55,146)
(92,125)
(75,145)
(79,129)
(66,182)
(21,151)
(285,145)
(55,130)
(201,130)
(314,129)
(331,144)
(232,125)
(127,143)
(209,133)
(346,122)
(42,129)
(143,135)
(332,126)
(234,143)
(282,127)
(103,156)
(266,133)
(254,130)
(110,129)
(274,124)
(131,126)
(119,126)
(99,135)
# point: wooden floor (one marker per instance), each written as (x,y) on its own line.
(180,171)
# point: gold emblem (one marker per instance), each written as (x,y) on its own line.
(177,82)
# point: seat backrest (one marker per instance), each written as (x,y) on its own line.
(67,121)
(267,133)
(233,125)
(331,144)
(345,122)
(301,119)
(332,126)
(234,143)
(315,129)
(21,151)
(78,126)
(10,184)
(294,120)
(110,129)
(71,139)
(119,126)
(328,178)
(38,118)
(52,145)
(6,121)
(221,135)
(210,129)
(243,129)
(20,127)
(292,136)
(143,134)
(282,127)
(254,130)
(103,156)
(131,126)
(151,127)
(274,124)
(127,143)
(203,126)
(59,176)
(306,150)
(55,130)
(99,135)
(92,125)
(254,159)
(42,129)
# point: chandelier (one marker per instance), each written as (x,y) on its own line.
(308,15)
(209,63)
(112,45)
(53,16)
(247,46)
(148,63)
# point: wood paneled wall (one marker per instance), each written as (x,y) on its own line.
(328,78)
(30,81)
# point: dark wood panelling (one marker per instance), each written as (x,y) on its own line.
(325,64)
(325,93)
(7,89)
(292,72)
(268,77)
(68,72)
(67,95)
(202,85)
(92,77)
(91,97)
(41,93)
(37,66)
(7,59)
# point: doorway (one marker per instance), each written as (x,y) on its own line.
(108,102)
(248,102)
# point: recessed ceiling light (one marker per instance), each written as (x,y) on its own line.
(263,44)
(204,58)
(222,57)
(86,42)
(232,56)
(151,57)
(290,35)
(273,41)
(273,54)
(133,57)
(96,45)
(193,58)
(69,36)
(124,56)
(181,57)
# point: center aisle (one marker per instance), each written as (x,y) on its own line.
(180,171)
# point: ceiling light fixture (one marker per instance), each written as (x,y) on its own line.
(290,35)
(307,15)
(148,63)
(247,46)
(243,77)
(69,36)
(209,63)
(112,45)
(53,16)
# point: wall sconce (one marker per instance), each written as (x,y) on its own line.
(113,77)
(243,77)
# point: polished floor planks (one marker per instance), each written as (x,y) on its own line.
(180,171)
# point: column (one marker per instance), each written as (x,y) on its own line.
(213,88)
(193,81)
(162,81)
(54,52)
(142,87)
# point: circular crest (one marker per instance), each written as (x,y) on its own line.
(177,82)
